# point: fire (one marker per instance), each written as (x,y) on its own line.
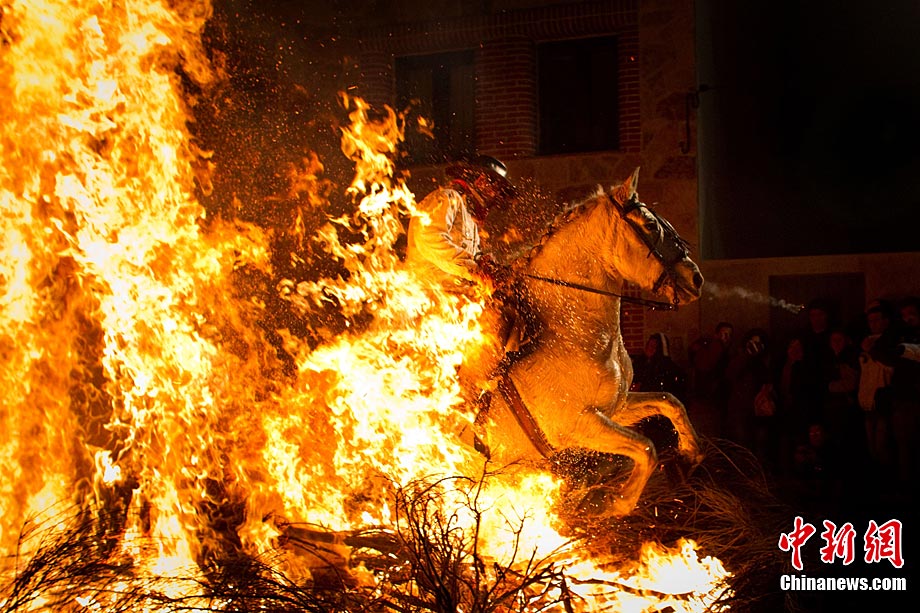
(674,578)
(137,387)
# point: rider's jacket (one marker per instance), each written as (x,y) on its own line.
(443,241)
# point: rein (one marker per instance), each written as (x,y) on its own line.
(524,417)
(655,305)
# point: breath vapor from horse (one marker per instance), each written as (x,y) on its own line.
(720,291)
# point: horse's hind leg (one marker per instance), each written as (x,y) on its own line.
(593,430)
(640,405)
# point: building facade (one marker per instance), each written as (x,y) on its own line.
(627,87)
(624,67)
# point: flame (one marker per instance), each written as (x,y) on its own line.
(136,381)
(663,578)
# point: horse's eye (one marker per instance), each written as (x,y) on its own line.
(650,225)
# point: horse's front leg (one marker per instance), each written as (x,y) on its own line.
(640,405)
(595,431)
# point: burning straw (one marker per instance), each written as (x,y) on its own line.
(211,435)
(428,562)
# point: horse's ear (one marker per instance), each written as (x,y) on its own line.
(627,189)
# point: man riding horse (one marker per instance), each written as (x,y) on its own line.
(570,389)
(446,247)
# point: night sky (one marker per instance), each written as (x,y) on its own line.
(809,128)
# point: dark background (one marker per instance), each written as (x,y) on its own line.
(807,119)
(808,127)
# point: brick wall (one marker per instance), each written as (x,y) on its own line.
(630,116)
(506,98)
(656,70)
(506,117)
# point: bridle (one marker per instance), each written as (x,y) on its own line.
(667,247)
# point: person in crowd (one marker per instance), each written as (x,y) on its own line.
(707,390)
(655,371)
(818,356)
(874,380)
(751,418)
(819,478)
(840,409)
(909,347)
(792,390)
(904,389)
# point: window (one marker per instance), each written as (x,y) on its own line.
(578,95)
(440,88)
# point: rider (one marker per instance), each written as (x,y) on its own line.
(445,247)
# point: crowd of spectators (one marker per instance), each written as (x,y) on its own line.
(834,406)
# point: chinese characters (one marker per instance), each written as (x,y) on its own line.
(880,542)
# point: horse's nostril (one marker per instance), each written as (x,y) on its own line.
(697,279)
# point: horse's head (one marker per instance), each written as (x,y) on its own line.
(647,250)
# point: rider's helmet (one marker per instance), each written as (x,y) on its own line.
(486,179)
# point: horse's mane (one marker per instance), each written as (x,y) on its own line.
(571,211)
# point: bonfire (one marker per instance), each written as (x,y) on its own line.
(165,449)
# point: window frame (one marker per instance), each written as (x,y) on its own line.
(450,107)
(584,124)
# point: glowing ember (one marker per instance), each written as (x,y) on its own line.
(139,389)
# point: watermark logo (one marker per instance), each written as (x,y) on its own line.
(880,542)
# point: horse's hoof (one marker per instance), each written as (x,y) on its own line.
(602,503)
(694,457)
(621,507)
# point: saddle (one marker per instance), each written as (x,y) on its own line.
(520,324)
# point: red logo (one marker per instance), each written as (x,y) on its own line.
(881,542)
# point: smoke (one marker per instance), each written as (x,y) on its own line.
(718,291)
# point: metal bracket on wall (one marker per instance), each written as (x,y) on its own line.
(691,102)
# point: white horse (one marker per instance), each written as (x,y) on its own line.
(571,391)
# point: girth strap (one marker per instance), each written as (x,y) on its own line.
(524,417)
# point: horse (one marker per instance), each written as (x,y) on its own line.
(571,389)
